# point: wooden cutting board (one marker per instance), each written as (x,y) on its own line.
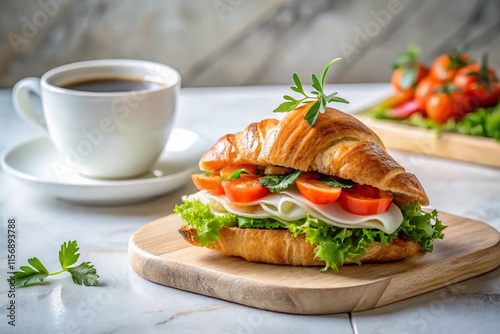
(158,253)
(478,150)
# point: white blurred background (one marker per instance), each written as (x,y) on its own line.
(242,42)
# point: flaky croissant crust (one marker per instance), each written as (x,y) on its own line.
(281,247)
(338,145)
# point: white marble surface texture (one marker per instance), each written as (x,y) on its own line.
(239,42)
(123,302)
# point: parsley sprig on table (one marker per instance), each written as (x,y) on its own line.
(318,96)
(68,255)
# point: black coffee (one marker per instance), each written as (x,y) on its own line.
(110,85)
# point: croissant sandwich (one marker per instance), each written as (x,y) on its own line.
(285,192)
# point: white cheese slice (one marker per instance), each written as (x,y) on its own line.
(291,205)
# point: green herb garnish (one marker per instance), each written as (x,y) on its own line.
(408,63)
(68,255)
(236,174)
(279,183)
(456,56)
(331,182)
(318,96)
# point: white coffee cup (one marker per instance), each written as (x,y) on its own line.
(105,134)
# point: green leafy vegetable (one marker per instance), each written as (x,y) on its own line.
(279,183)
(318,96)
(331,182)
(421,226)
(267,223)
(84,273)
(334,245)
(484,122)
(207,224)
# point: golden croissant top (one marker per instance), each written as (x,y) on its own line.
(338,145)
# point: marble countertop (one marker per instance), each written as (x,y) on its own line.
(123,302)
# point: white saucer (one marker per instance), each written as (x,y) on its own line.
(37,164)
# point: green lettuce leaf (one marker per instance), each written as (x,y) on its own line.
(267,223)
(421,226)
(334,245)
(207,224)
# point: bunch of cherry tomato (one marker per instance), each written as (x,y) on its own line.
(451,87)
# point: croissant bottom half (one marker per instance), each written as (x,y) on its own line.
(281,247)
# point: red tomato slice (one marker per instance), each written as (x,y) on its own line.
(229,169)
(316,191)
(245,189)
(208,182)
(365,200)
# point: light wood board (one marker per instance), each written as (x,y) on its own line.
(158,253)
(479,150)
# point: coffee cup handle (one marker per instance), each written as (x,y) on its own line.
(24,106)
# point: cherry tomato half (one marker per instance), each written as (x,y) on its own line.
(208,182)
(244,189)
(316,191)
(365,200)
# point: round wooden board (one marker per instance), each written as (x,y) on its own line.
(158,253)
